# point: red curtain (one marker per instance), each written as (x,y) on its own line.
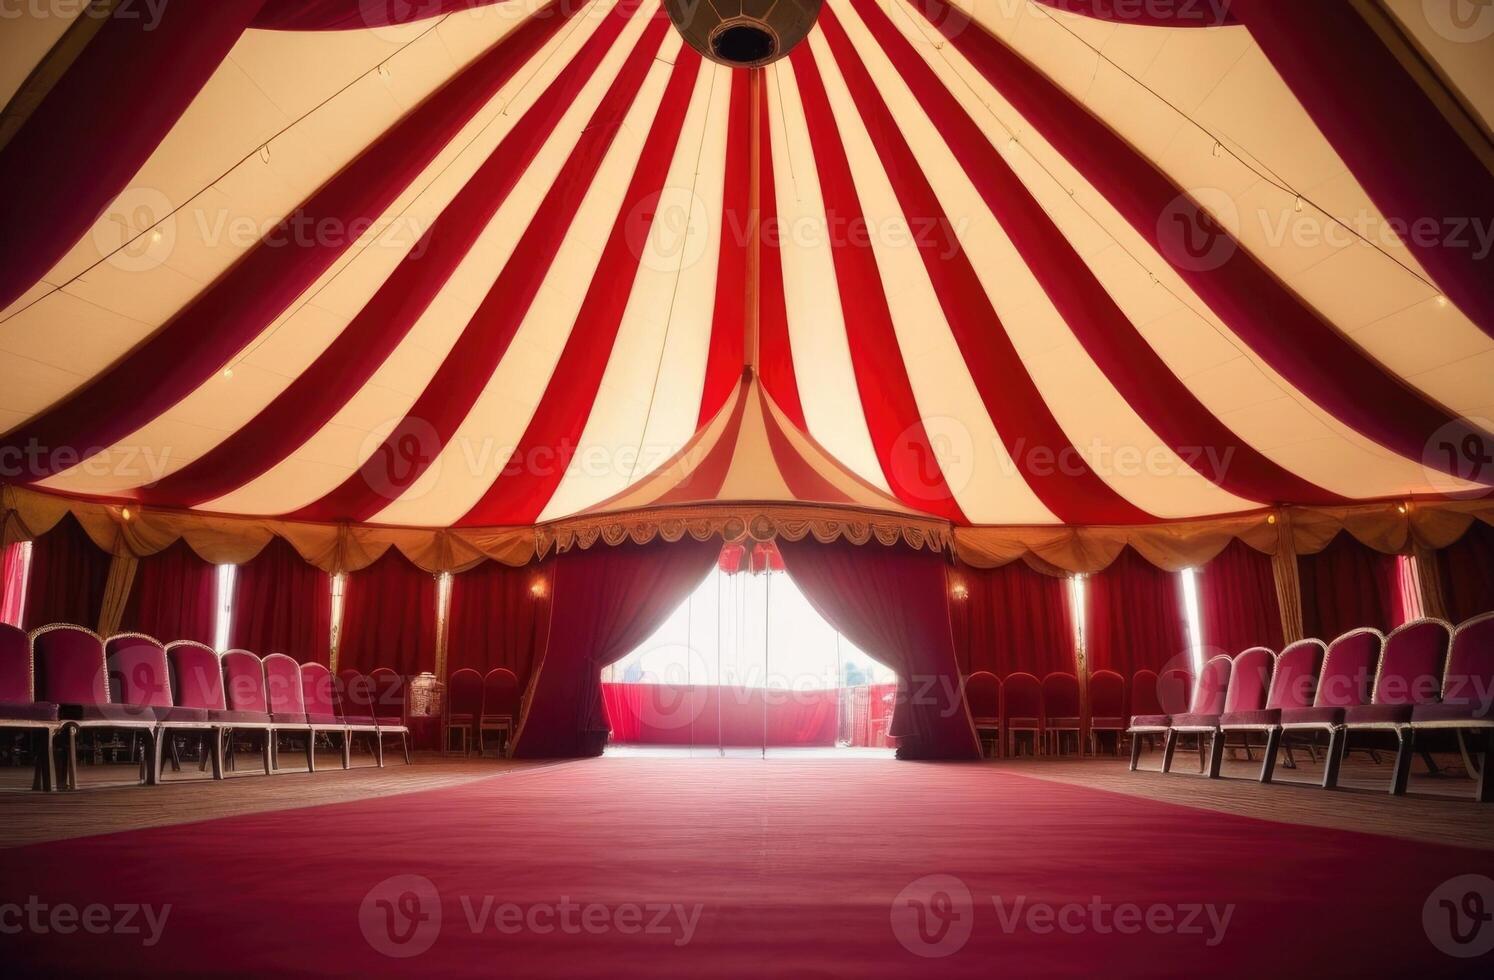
(1135,617)
(500,616)
(282,604)
(893,602)
(1467,573)
(1012,619)
(68,576)
(1237,601)
(389,617)
(174,597)
(698,714)
(13,569)
(607,600)
(1345,586)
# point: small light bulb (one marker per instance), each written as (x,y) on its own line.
(1270,518)
(1298,205)
(228,372)
(1401,508)
(1442,301)
(155,236)
(125,513)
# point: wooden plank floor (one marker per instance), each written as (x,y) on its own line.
(1437,809)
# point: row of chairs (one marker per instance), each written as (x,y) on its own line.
(1048,709)
(477,706)
(1423,676)
(64,679)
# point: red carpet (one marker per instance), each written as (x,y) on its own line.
(795,866)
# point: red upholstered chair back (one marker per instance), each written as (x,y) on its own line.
(283,685)
(1060,695)
(244,682)
(1145,693)
(1250,680)
(500,692)
(1107,695)
(70,667)
(138,674)
(464,693)
(983,695)
(1174,691)
(1412,663)
(389,695)
(318,695)
(355,694)
(1213,686)
(196,675)
(1297,669)
(1021,697)
(1349,669)
(16,682)
(1470,665)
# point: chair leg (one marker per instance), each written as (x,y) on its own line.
(269,751)
(215,744)
(1403,755)
(1432,768)
(1135,749)
(1484,791)
(404,740)
(1334,757)
(1169,745)
(379,748)
(311,750)
(1268,761)
(46,762)
(1216,753)
(174,755)
(155,746)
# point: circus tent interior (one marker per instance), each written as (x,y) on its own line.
(750,487)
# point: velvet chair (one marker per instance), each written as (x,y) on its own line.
(1293,685)
(389,691)
(1022,710)
(1061,710)
(248,705)
(1202,717)
(71,671)
(319,695)
(140,678)
(463,708)
(1412,664)
(1467,690)
(1154,702)
(196,675)
(355,706)
(983,698)
(1347,680)
(287,707)
(19,709)
(1107,707)
(500,707)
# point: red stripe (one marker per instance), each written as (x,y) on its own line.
(1108,335)
(539,462)
(801,478)
(1297,343)
(420,436)
(902,446)
(775,355)
(226,316)
(704,480)
(1177,13)
(341,371)
(728,321)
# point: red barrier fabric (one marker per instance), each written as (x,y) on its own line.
(893,603)
(499,617)
(1467,567)
(1345,586)
(1012,619)
(1135,617)
(1237,601)
(282,604)
(389,617)
(174,597)
(607,600)
(698,714)
(68,575)
(13,572)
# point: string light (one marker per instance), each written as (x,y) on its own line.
(959,591)
(1442,301)
(228,372)
(1401,508)
(537,588)
(125,513)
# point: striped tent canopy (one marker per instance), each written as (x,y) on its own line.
(462,264)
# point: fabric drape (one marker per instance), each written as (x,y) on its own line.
(14,564)
(1467,572)
(893,603)
(282,604)
(606,601)
(499,617)
(1134,618)
(68,576)
(175,597)
(1237,601)
(1345,586)
(389,618)
(1012,619)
